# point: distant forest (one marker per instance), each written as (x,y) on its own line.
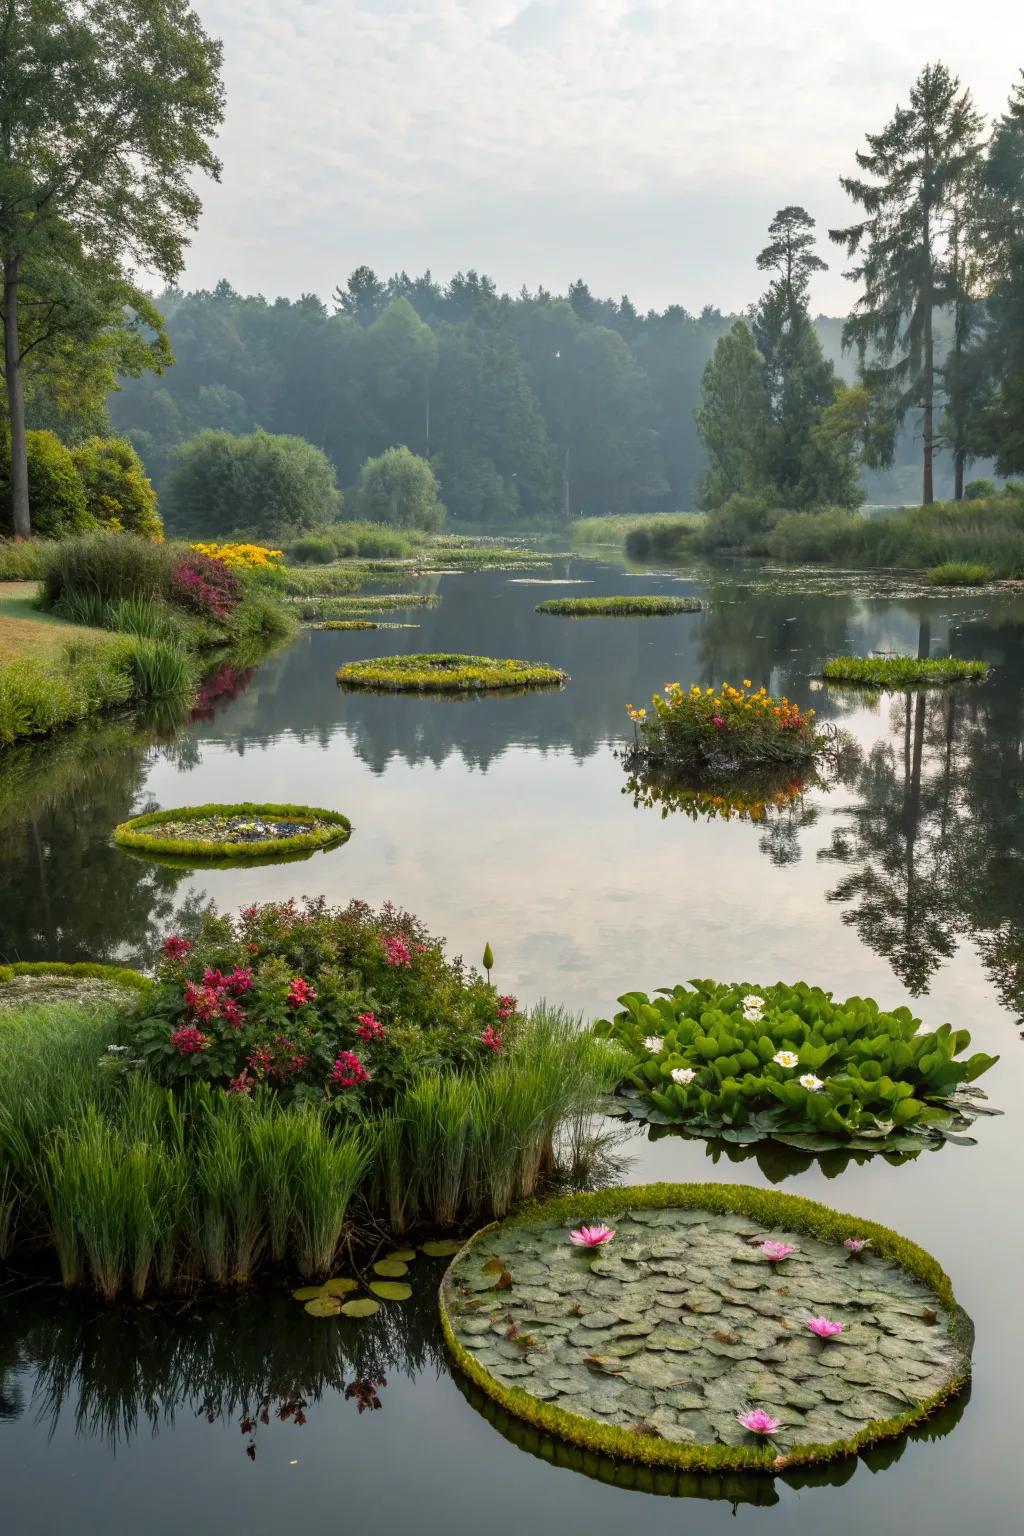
(532,409)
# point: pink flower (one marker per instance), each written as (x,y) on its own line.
(203,1002)
(242,1083)
(370,1027)
(824,1327)
(856,1244)
(261,1059)
(231,1013)
(396,952)
(776,1252)
(506,1007)
(491,1037)
(248,914)
(189,1041)
(214,979)
(241,980)
(758,1421)
(300,992)
(348,1071)
(176,948)
(717,722)
(592,1237)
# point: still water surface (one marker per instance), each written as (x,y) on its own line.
(507,819)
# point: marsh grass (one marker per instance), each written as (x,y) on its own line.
(637,606)
(902,671)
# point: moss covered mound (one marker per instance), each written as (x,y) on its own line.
(901,671)
(241,833)
(619,607)
(651,1347)
(441,672)
(40,982)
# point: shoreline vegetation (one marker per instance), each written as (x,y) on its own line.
(894,672)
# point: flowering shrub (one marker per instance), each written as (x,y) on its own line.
(717,728)
(346,1005)
(205,586)
(789,1060)
(243,557)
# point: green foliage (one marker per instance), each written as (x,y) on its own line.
(739,522)
(619,607)
(748,1062)
(980,490)
(442,673)
(901,671)
(662,533)
(324,581)
(108,566)
(59,504)
(23,559)
(340,541)
(989,533)
(958,573)
(354,607)
(118,975)
(719,731)
(117,493)
(398,487)
(732,417)
(766,1209)
(326,829)
(269,487)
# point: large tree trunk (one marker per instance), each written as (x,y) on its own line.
(20,520)
(928,485)
(959,464)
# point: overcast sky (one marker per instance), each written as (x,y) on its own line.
(640,144)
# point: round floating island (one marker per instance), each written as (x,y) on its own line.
(636,607)
(719,1327)
(448,673)
(243,834)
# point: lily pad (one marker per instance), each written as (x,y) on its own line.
(391,1290)
(307,1292)
(406,1255)
(340,1285)
(441,1248)
(391,1268)
(361,1306)
(323,1306)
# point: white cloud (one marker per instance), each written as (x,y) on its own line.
(643,144)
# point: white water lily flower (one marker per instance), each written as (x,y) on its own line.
(654,1044)
(786,1059)
(753,1015)
(810,1082)
(682,1075)
(753,1001)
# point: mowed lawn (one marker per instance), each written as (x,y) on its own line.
(26,632)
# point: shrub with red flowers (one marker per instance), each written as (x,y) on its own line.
(205,586)
(346,1005)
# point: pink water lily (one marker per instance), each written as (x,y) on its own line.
(824,1327)
(758,1421)
(856,1244)
(591,1237)
(775,1252)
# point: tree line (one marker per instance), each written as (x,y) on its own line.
(532,408)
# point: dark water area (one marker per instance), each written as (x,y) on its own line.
(506,819)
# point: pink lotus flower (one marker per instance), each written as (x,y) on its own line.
(776,1252)
(591,1237)
(857,1244)
(758,1421)
(824,1327)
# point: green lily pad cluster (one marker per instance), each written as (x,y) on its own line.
(902,671)
(793,1063)
(340,1296)
(243,831)
(657,1345)
(442,672)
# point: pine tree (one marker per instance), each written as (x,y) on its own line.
(915,163)
(732,418)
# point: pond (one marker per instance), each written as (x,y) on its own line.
(508,820)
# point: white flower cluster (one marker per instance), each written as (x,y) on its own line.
(753,1008)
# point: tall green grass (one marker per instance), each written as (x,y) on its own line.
(987,533)
(665,534)
(24,559)
(134,1188)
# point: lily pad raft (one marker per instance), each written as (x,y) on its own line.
(651,1347)
(236,832)
(442,672)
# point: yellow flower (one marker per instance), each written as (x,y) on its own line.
(747,683)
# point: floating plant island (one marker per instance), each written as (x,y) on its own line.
(448,673)
(794,1064)
(619,607)
(239,833)
(35,983)
(714,1327)
(902,671)
(716,733)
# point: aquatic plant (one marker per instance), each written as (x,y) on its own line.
(234,831)
(598,1236)
(802,1067)
(443,673)
(824,1327)
(714,730)
(901,671)
(758,1421)
(959,573)
(619,607)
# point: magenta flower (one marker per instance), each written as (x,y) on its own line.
(857,1244)
(300,992)
(491,1037)
(348,1071)
(776,1252)
(758,1421)
(370,1027)
(824,1327)
(717,722)
(176,948)
(189,1041)
(396,952)
(591,1237)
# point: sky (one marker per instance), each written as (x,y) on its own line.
(643,145)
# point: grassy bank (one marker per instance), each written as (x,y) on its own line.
(960,541)
(668,535)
